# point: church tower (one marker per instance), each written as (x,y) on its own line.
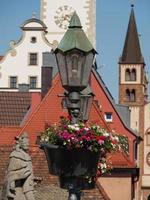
(133,86)
(133,81)
(56,15)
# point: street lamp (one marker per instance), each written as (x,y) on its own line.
(75,56)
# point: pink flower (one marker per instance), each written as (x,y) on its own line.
(101,142)
(65,135)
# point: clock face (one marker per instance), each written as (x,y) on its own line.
(63,16)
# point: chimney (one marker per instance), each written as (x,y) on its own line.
(23,87)
(47,72)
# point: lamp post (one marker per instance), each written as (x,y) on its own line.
(75,57)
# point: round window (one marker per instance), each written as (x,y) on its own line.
(33,39)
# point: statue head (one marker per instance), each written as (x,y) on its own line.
(24,141)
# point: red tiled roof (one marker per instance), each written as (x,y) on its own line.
(49,111)
(13,107)
(120,160)
(7,135)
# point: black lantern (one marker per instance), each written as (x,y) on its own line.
(75,56)
(85,103)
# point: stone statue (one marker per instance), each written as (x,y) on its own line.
(19,176)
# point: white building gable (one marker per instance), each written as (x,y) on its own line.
(22,63)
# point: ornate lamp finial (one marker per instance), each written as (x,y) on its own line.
(132,3)
(34,15)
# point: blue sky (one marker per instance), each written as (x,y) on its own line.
(112,21)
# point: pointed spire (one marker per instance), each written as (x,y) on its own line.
(132,51)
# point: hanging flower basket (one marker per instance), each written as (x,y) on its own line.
(73,162)
(73,166)
(77,152)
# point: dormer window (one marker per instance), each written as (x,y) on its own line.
(33,40)
(108,117)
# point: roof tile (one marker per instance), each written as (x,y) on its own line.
(13,107)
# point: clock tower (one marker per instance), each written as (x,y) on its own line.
(56,15)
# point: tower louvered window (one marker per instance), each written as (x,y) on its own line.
(130,75)
(127,75)
(130,95)
(133,75)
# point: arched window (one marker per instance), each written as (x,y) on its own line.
(132,95)
(133,75)
(127,94)
(127,75)
(148,137)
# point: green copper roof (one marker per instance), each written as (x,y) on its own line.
(75,21)
(75,37)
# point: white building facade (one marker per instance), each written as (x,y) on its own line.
(22,63)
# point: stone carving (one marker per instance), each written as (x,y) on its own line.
(13,51)
(19,176)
